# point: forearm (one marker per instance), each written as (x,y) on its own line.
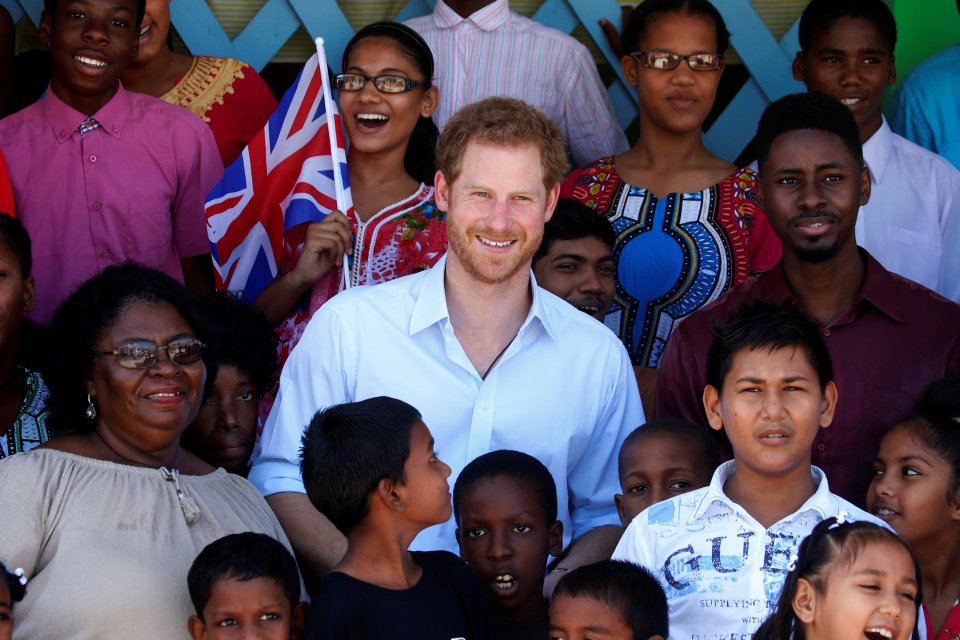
(277,299)
(197,272)
(593,546)
(318,544)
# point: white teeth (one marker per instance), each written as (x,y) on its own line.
(90,61)
(505,578)
(372,116)
(816,225)
(588,309)
(849,101)
(885,633)
(145,30)
(163,395)
(492,243)
(885,512)
(775,435)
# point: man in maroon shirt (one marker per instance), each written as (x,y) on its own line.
(888,336)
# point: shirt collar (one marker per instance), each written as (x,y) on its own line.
(64,119)
(876,151)
(489,18)
(822,501)
(878,288)
(431,304)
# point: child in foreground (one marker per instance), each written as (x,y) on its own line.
(916,490)
(505,506)
(721,552)
(12,589)
(662,459)
(612,600)
(849,580)
(371,468)
(245,585)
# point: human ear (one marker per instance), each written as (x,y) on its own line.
(29,294)
(799,67)
(618,501)
(556,539)
(389,494)
(553,196)
(805,601)
(893,70)
(711,403)
(46,24)
(829,404)
(630,68)
(441,191)
(196,628)
(431,98)
(864,186)
(298,620)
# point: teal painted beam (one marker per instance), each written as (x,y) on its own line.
(199,29)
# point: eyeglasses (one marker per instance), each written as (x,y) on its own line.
(665,61)
(384,84)
(141,354)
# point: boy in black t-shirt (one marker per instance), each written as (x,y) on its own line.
(370,467)
(505,505)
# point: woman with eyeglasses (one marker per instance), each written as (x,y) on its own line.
(106,521)
(688,226)
(386,101)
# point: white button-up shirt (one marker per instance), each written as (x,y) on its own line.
(911,224)
(721,569)
(495,52)
(563,391)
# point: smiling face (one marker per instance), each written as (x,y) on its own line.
(677,100)
(255,608)
(911,489)
(811,189)
(873,597)
(656,468)
(425,491)
(91,43)
(585,618)
(506,538)
(153,30)
(850,61)
(771,407)
(146,408)
(379,123)
(580,271)
(496,210)
(225,430)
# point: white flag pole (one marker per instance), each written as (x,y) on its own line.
(332,132)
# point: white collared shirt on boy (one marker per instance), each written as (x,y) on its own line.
(721,569)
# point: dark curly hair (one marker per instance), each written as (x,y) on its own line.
(238,335)
(84,316)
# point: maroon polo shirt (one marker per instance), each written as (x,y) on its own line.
(898,338)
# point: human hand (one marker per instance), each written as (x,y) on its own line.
(324,245)
(611,32)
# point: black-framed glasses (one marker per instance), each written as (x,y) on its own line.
(384,84)
(665,61)
(141,354)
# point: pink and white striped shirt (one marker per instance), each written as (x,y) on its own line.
(497,52)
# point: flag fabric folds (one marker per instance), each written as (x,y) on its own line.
(292,173)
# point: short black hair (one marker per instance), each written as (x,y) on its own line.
(801,111)
(84,316)
(762,325)
(239,336)
(573,220)
(628,589)
(640,20)
(703,448)
(348,449)
(50,6)
(521,468)
(15,238)
(242,556)
(821,14)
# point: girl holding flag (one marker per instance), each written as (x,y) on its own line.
(394,229)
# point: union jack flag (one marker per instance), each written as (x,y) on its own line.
(286,178)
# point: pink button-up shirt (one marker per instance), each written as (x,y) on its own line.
(131,190)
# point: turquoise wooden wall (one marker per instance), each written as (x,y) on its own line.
(767,59)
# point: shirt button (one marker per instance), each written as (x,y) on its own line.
(96,206)
(826,333)
(104,253)
(63,134)
(484,405)
(821,447)
(116,128)
(93,158)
